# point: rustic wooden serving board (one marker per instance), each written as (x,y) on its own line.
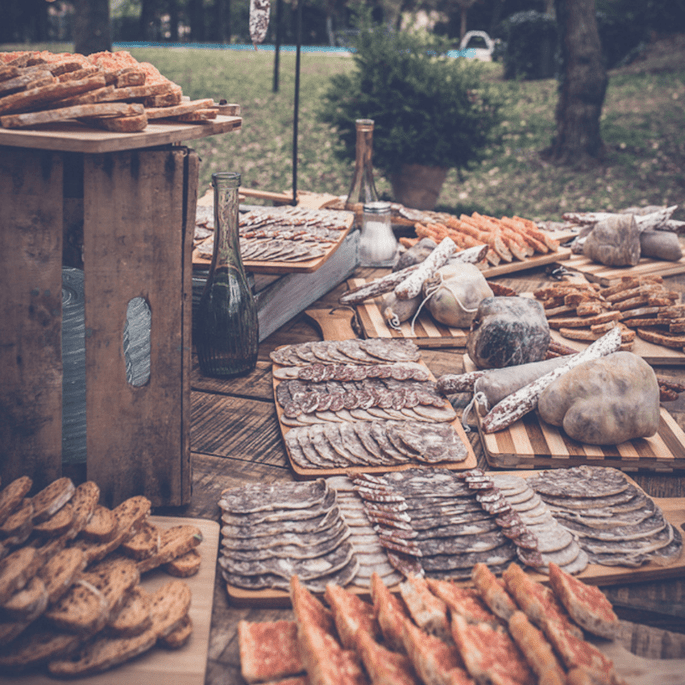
(673,509)
(604,275)
(532,443)
(275,267)
(561,255)
(309,474)
(184,666)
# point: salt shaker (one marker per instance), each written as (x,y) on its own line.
(378,245)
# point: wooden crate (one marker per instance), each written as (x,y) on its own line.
(136,211)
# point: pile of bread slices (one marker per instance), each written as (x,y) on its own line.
(71,596)
(106,90)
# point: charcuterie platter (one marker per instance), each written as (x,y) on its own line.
(363,413)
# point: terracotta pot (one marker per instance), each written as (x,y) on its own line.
(418,186)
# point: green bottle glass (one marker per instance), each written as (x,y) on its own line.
(227,328)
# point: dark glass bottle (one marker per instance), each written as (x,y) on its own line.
(227,328)
(363,189)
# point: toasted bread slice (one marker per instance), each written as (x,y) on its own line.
(83,610)
(536,649)
(586,604)
(12,495)
(28,603)
(133,617)
(60,572)
(168,607)
(428,611)
(102,654)
(350,613)
(492,592)
(114,577)
(390,613)
(37,645)
(186,565)
(308,609)
(144,543)
(489,653)
(101,526)
(268,651)
(58,524)
(175,541)
(463,601)
(178,637)
(16,569)
(383,665)
(83,502)
(18,526)
(432,658)
(10,630)
(52,498)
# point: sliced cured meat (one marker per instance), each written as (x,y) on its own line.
(392,350)
(580,481)
(271,528)
(463,544)
(448,563)
(431,443)
(644,529)
(281,495)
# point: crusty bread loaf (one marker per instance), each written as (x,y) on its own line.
(133,617)
(186,565)
(60,571)
(586,604)
(178,637)
(144,543)
(12,495)
(52,498)
(28,603)
(16,569)
(175,541)
(101,526)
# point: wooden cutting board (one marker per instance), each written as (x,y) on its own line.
(604,275)
(184,666)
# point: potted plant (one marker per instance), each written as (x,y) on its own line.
(431,112)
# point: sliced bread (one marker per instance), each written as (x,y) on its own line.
(84,501)
(168,607)
(61,571)
(186,565)
(36,646)
(12,495)
(58,524)
(16,569)
(115,577)
(101,526)
(28,603)
(178,637)
(83,609)
(133,616)
(10,630)
(144,543)
(52,498)
(175,541)
(268,650)
(18,526)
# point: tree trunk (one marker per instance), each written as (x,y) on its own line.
(92,32)
(149,20)
(583,84)
(196,17)
(173,20)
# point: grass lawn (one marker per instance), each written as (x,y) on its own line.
(643,128)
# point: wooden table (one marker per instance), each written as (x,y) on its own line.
(235,439)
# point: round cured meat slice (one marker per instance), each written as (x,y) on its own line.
(268,497)
(354,445)
(644,529)
(509,484)
(580,481)
(494,557)
(378,432)
(354,351)
(445,413)
(332,433)
(392,350)
(364,433)
(628,500)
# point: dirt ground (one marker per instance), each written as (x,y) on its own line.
(663,53)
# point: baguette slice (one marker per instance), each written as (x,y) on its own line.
(186,565)
(16,569)
(28,603)
(61,571)
(169,606)
(52,498)
(144,543)
(114,577)
(84,501)
(12,495)
(175,542)
(83,609)
(58,524)
(102,525)
(133,616)
(17,527)
(179,637)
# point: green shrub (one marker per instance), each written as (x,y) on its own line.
(531,39)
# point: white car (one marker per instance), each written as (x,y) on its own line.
(484,54)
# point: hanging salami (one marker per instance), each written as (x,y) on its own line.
(259,20)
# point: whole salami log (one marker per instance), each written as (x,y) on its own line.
(411,287)
(259,20)
(519,403)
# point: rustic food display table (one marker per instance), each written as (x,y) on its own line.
(122,207)
(235,440)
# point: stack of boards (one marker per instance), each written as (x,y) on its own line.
(439,524)
(71,599)
(107,90)
(364,405)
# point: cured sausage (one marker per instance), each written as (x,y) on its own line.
(259,20)
(411,287)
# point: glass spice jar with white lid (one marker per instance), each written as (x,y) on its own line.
(377,245)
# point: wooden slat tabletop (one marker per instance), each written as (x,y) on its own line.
(235,439)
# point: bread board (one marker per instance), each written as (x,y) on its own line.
(279,268)
(672,507)
(604,275)
(310,474)
(561,255)
(184,666)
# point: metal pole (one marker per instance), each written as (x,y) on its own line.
(297,97)
(279,15)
